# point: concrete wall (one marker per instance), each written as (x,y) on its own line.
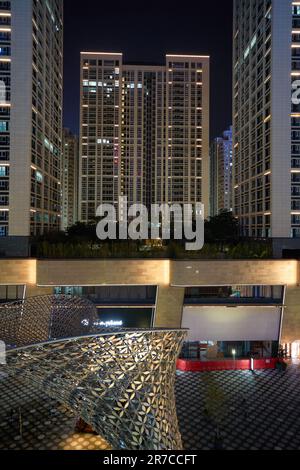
(103,272)
(215,273)
(18,271)
(150,272)
(15,247)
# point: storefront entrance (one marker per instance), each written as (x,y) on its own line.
(296,350)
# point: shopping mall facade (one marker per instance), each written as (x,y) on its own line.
(249,307)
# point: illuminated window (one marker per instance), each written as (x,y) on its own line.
(4,126)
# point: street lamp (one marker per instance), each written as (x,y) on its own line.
(233,354)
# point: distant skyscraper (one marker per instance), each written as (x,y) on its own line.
(266,131)
(221,173)
(144,131)
(69,179)
(31,64)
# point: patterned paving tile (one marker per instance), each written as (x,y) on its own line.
(253,411)
(30,421)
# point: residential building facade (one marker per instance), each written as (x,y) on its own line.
(31,68)
(221,173)
(266,136)
(69,179)
(144,131)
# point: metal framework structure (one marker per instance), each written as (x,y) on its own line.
(121,383)
(44,318)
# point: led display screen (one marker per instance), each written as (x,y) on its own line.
(125,317)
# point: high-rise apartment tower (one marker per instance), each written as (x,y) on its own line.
(69,179)
(31,67)
(221,173)
(266,130)
(144,131)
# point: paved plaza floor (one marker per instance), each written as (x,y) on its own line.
(254,411)
(258,410)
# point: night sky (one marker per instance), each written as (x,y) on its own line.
(145,32)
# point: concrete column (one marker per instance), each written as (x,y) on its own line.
(169,307)
(33,290)
(291,316)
